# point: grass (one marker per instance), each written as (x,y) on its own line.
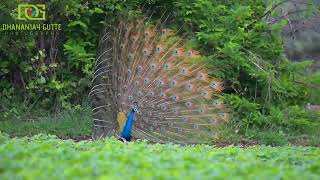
(71,123)
(44,156)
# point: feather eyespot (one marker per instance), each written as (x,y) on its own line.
(202,111)
(188,104)
(139,68)
(140,93)
(153,67)
(137,83)
(185,119)
(175,97)
(163,107)
(175,111)
(145,52)
(163,95)
(189,53)
(166,67)
(119,95)
(213,121)
(125,87)
(184,71)
(204,93)
(213,84)
(160,82)
(146,81)
(176,53)
(160,116)
(158,49)
(151,93)
(173,83)
(130,98)
(196,126)
(189,87)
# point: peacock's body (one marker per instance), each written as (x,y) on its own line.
(148,84)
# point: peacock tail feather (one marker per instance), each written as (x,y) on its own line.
(142,63)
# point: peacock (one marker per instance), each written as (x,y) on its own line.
(149,84)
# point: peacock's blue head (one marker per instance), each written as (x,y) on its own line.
(135,108)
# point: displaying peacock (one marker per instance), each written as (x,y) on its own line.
(149,84)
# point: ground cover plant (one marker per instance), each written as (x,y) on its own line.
(46,156)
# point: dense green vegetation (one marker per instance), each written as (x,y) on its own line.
(46,156)
(266,93)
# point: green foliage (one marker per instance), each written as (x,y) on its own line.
(44,156)
(52,70)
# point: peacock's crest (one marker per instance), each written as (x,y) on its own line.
(147,67)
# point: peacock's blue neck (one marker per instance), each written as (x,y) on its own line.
(126,132)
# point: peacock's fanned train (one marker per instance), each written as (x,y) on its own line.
(148,72)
